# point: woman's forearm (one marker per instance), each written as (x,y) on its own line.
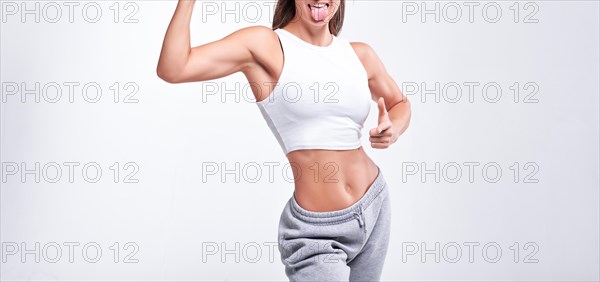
(400,115)
(176,45)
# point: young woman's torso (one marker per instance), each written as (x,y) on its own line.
(324,180)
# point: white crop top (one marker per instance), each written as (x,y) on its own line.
(322,98)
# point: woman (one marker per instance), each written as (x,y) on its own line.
(314,89)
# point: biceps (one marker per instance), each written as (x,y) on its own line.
(384,86)
(215,60)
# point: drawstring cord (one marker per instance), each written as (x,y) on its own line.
(361,218)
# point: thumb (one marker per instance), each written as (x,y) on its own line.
(383,114)
(383,120)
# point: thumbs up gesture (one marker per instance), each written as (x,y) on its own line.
(383,135)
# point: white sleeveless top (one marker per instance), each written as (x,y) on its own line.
(322,98)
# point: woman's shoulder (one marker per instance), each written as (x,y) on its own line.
(257,38)
(364,51)
(256,31)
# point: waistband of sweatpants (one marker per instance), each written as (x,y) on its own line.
(344,214)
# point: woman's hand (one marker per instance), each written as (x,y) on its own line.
(384,134)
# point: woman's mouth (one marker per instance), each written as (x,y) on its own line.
(318,11)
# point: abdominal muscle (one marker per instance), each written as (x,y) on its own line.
(329,180)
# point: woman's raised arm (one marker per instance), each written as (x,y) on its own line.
(179,62)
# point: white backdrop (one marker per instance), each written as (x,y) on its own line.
(495,179)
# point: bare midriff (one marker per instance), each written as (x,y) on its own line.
(329,180)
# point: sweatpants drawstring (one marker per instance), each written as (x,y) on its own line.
(361,218)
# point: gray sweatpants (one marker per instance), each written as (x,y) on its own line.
(343,245)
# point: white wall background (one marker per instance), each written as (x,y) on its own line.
(174,218)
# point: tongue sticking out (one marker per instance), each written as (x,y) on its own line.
(318,14)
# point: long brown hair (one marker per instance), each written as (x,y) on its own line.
(285,11)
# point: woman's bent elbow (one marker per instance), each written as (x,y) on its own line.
(167,76)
